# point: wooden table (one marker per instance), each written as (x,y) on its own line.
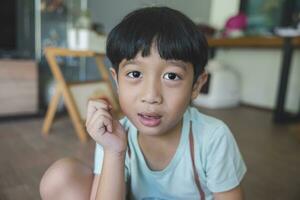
(287,44)
(251,42)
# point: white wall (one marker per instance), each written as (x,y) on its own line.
(259,70)
(110,12)
(220,11)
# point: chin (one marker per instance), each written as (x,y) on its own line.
(150,131)
(147,130)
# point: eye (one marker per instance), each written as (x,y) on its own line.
(134,74)
(171,76)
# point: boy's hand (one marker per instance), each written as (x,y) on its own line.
(105,130)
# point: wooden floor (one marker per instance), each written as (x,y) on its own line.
(272,154)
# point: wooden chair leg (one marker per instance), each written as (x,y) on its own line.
(51,110)
(75,116)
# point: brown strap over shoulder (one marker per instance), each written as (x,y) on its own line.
(196,176)
(128,147)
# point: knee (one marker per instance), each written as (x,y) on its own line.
(62,176)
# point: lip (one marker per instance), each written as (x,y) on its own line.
(149,119)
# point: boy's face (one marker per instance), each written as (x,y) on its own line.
(154,93)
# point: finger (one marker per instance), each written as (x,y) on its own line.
(106,100)
(102,121)
(92,130)
(100,126)
(94,105)
(101,102)
(96,132)
(108,124)
(97,115)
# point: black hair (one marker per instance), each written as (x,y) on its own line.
(174,34)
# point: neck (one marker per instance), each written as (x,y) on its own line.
(159,150)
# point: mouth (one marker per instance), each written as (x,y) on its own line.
(149,119)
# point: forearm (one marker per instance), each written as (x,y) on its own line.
(112,181)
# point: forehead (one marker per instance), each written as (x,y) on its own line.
(154,59)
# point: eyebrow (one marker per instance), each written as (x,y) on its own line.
(178,63)
(129,62)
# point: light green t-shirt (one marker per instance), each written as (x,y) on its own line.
(218,161)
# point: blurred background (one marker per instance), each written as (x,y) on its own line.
(253,85)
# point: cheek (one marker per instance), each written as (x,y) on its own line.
(127,98)
(178,96)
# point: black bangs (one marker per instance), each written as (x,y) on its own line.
(174,35)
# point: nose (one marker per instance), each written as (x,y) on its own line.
(151,93)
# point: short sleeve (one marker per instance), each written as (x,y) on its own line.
(98,160)
(225,167)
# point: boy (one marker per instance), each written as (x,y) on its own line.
(163,149)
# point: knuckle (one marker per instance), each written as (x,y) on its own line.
(101,117)
(95,102)
(91,102)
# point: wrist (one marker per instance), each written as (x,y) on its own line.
(115,155)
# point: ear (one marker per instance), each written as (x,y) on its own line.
(199,84)
(115,76)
